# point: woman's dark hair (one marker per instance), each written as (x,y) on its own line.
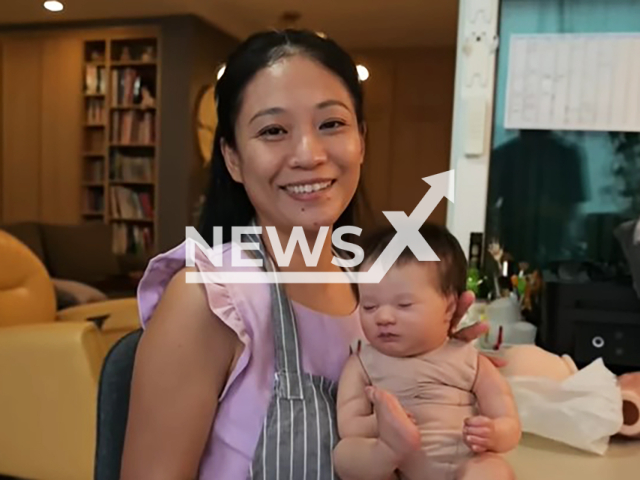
(227,203)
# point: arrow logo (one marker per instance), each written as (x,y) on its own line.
(408,235)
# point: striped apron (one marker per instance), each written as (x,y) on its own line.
(299,431)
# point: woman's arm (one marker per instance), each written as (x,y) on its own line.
(182,363)
(355,411)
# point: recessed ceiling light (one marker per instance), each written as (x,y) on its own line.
(54,6)
(363,72)
(221,72)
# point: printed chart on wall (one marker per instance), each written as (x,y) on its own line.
(574,82)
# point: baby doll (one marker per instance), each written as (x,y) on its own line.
(454,412)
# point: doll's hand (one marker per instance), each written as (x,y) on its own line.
(479,434)
(396,429)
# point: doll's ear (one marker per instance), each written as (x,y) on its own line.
(451,318)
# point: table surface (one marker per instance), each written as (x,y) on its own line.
(540,459)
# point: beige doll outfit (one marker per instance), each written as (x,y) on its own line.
(437,389)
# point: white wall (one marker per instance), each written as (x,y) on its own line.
(467,214)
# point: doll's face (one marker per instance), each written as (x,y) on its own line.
(406,314)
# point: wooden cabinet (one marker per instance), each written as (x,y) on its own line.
(61,144)
(39,145)
(408,108)
(120,132)
(55,129)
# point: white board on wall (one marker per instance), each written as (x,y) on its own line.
(574,82)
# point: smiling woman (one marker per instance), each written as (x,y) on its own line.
(240,380)
(299,155)
(299,127)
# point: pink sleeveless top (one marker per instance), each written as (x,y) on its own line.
(324,343)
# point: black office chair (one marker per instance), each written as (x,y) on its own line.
(113,406)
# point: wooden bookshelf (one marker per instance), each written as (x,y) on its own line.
(119,162)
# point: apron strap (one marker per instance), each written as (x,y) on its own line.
(288,363)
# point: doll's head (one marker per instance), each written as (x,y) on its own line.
(411,310)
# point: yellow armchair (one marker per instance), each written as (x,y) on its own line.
(50,362)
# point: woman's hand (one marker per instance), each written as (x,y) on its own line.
(397,430)
(473,332)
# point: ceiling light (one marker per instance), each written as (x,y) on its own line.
(221,72)
(363,72)
(53,6)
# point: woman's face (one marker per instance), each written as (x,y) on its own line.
(298,146)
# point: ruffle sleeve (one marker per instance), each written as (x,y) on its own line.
(225,300)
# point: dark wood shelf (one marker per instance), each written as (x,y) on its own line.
(105,124)
(131,107)
(127,183)
(133,63)
(132,145)
(131,220)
